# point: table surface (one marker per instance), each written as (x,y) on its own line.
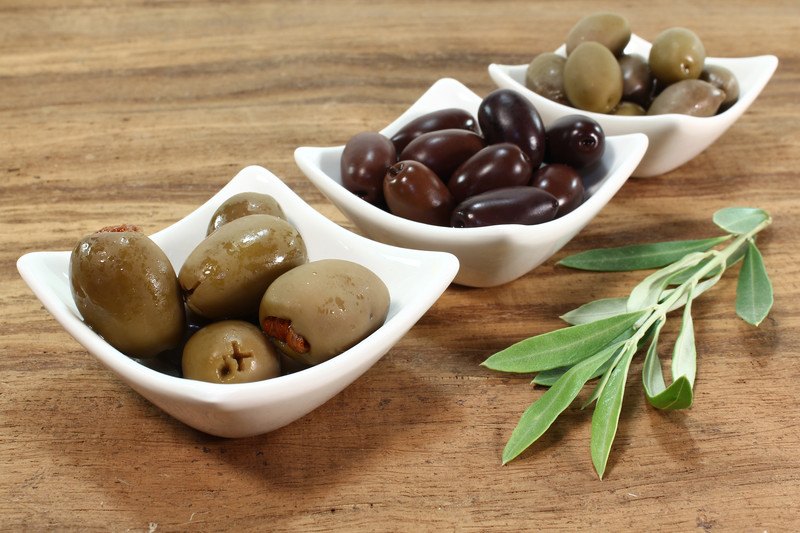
(140,111)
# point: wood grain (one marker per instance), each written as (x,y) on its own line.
(138,111)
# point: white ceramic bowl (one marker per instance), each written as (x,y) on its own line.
(674,139)
(491,255)
(415,280)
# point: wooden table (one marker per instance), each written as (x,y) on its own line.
(139,111)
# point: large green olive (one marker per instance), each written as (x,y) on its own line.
(545,76)
(241,205)
(230,351)
(125,289)
(609,29)
(688,97)
(677,54)
(226,275)
(592,78)
(724,80)
(318,310)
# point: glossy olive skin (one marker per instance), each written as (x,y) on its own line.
(545,76)
(332,304)
(443,151)
(724,80)
(228,272)
(126,290)
(638,83)
(507,116)
(244,204)
(575,140)
(364,161)
(494,167)
(511,205)
(677,54)
(563,182)
(609,29)
(451,118)
(230,351)
(414,192)
(688,97)
(593,78)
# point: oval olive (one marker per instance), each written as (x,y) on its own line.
(629,109)
(575,140)
(443,151)
(318,310)
(507,116)
(230,351)
(126,290)
(593,78)
(511,205)
(724,80)
(243,204)
(451,118)
(638,83)
(563,182)
(545,76)
(228,272)
(414,192)
(494,167)
(677,54)
(365,158)
(609,29)
(688,97)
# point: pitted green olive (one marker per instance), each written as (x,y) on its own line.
(677,54)
(241,205)
(592,78)
(545,76)
(724,80)
(688,97)
(609,29)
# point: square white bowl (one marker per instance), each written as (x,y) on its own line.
(491,255)
(415,280)
(674,139)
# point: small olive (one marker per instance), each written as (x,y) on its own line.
(545,76)
(563,182)
(496,166)
(510,205)
(505,116)
(414,192)
(243,204)
(677,54)
(688,97)
(629,109)
(724,80)
(365,158)
(593,78)
(638,83)
(441,119)
(609,29)
(230,351)
(443,151)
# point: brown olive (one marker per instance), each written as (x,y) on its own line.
(724,80)
(638,83)
(593,78)
(677,54)
(365,158)
(228,272)
(609,29)
(414,192)
(441,119)
(563,182)
(545,76)
(511,205)
(496,166)
(505,116)
(688,97)
(443,151)
(243,204)
(575,140)
(230,351)
(318,310)
(126,290)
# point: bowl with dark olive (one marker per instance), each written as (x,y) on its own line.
(480,178)
(134,301)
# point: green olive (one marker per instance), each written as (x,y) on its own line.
(724,80)
(609,29)
(677,54)
(126,290)
(318,310)
(230,351)
(688,97)
(592,78)
(226,275)
(545,76)
(629,109)
(243,204)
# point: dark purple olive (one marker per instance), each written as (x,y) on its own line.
(451,118)
(443,151)
(638,83)
(414,192)
(511,205)
(507,116)
(563,182)
(365,158)
(575,140)
(495,167)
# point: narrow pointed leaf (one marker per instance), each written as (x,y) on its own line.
(676,396)
(738,220)
(652,377)
(754,289)
(596,310)
(684,355)
(682,277)
(548,377)
(701,287)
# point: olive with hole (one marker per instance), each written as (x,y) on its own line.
(230,351)
(638,83)
(609,29)
(575,140)
(442,119)
(244,204)
(545,76)
(494,167)
(320,309)
(563,182)
(364,161)
(505,116)
(126,290)
(677,54)
(413,191)
(511,205)
(697,98)
(724,80)
(443,151)
(593,78)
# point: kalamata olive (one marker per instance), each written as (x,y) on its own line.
(126,290)
(414,192)
(545,76)
(451,118)
(507,116)
(243,204)
(677,54)
(228,272)
(688,97)
(230,351)
(365,158)
(724,80)
(563,182)
(318,310)
(494,167)
(512,205)
(575,140)
(443,151)
(609,29)
(638,83)
(593,78)
(629,109)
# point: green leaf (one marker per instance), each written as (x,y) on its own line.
(682,277)
(676,396)
(684,355)
(648,292)
(542,413)
(638,256)
(652,378)
(562,347)
(754,289)
(701,287)
(547,378)
(596,310)
(739,220)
